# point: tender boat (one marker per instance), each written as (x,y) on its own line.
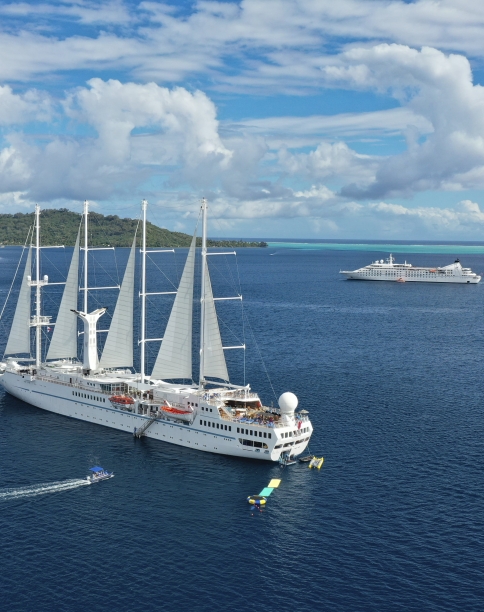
(99,473)
(306,458)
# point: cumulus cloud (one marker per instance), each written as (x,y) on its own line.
(176,128)
(22,108)
(436,86)
(329,160)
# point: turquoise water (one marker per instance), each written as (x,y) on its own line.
(451,249)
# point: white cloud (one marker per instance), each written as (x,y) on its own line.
(180,130)
(309,130)
(22,108)
(277,44)
(329,161)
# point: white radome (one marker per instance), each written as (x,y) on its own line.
(288,403)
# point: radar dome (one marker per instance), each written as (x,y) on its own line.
(288,403)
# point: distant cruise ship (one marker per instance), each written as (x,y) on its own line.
(404,272)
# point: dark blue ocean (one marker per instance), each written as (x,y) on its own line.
(392,377)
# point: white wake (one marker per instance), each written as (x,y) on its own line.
(42,489)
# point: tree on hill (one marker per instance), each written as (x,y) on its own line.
(60,226)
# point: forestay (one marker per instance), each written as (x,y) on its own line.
(175,355)
(118,349)
(19,337)
(64,339)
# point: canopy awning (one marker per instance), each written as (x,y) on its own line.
(96,468)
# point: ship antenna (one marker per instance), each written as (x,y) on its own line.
(144,206)
(202,296)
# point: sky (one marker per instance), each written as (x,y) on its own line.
(358,119)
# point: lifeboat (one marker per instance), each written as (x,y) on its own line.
(121,401)
(173,410)
(181,413)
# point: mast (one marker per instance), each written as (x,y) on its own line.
(38,330)
(202,296)
(86,212)
(144,206)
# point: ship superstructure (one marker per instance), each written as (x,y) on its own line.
(389,270)
(214,415)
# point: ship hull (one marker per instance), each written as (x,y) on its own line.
(58,398)
(410,279)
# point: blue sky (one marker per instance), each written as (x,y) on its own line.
(295,118)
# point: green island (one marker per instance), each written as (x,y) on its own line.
(60,227)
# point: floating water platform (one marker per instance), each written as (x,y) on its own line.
(261,499)
(316,462)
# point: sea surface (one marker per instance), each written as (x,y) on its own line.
(391,375)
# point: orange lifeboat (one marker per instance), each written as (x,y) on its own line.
(121,401)
(172,410)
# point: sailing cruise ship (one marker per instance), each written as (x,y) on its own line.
(214,415)
(389,270)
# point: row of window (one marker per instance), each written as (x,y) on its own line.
(253,432)
(218,425)
(207,409)
(292,443)
(254,443)
(289,434)
(405,272)
(91,397)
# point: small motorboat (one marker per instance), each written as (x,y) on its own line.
(98,474)
(306,459)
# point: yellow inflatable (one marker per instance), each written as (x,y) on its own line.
(256,500)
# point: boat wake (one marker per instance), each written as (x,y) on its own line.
(42,489)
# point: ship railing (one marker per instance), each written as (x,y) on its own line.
(264,422)
(73,385)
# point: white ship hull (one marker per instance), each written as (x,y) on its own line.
(434,278)
(58,398)
(389,270)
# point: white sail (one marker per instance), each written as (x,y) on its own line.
(63,344)
(214,364)
(19,338)
(175,355)
(118,349)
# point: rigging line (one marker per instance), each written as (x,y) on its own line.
(96,264)
(46,258)
(16,271)
(227,327)
(170,282)
(224,271)
(260,354)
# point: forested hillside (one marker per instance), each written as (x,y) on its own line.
(61,226)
